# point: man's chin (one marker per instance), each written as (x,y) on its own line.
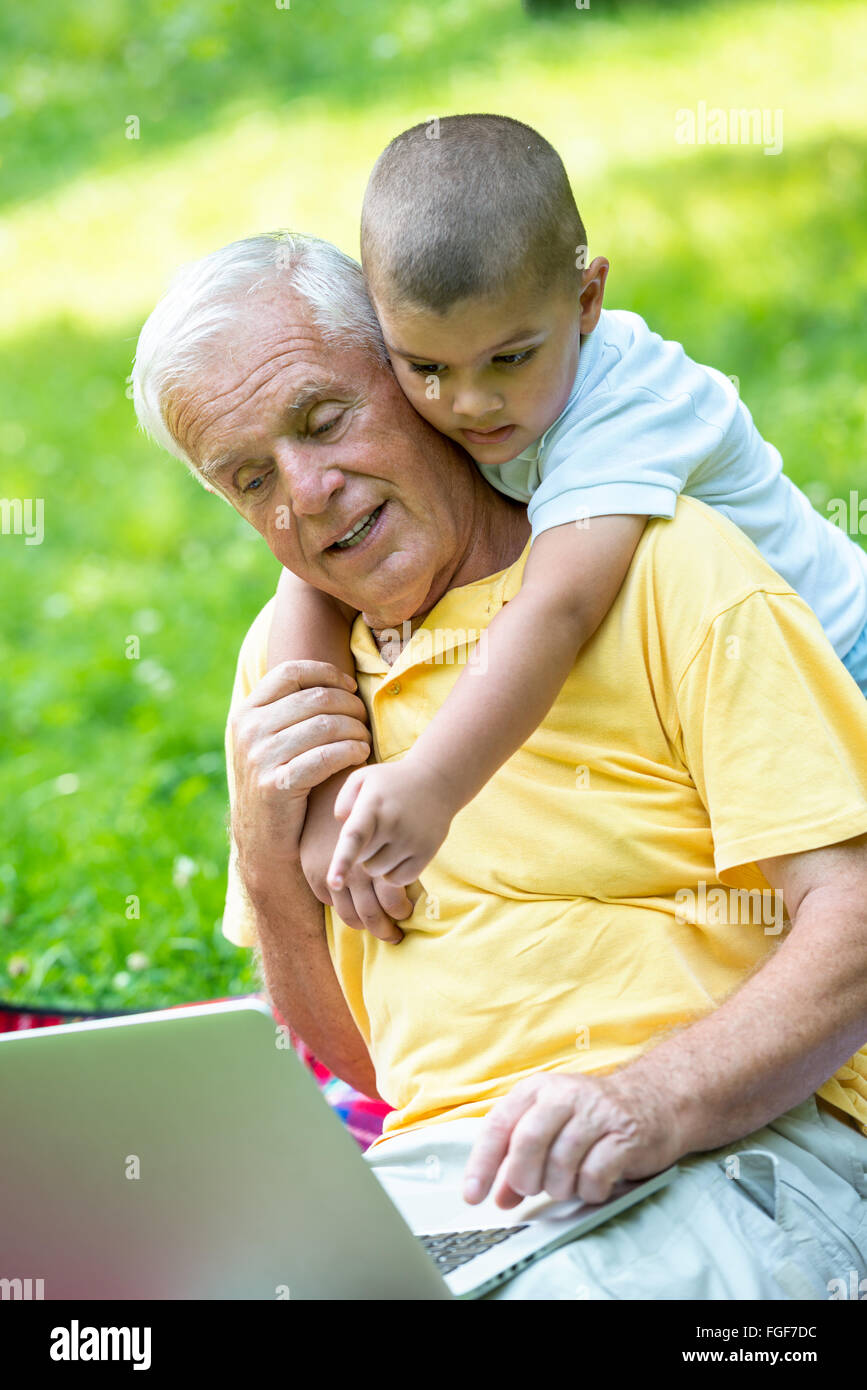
(392,613)
(387,619)
(392,593)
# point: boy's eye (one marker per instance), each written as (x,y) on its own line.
(513,359)
(427,368)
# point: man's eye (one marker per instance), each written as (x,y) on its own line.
(255,484)
(326,425)
(427,368)
(514,359)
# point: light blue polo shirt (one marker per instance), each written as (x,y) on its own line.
(644,423)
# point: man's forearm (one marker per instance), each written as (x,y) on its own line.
(300,978)
(773,1042)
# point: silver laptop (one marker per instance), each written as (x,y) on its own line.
(190,1155)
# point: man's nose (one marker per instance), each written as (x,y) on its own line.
(474,403)
(310,482)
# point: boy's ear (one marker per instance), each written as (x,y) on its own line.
(593,292)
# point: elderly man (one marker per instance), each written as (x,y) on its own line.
(597,980)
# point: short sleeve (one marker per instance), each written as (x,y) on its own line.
(238,916)
(774,732)
(628,451)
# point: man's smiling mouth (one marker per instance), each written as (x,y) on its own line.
(357,533)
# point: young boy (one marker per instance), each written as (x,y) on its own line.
(475,260)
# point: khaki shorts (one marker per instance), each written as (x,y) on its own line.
(781,1214)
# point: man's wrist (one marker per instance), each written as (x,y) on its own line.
(288,912)
(266,877)
(672,1113)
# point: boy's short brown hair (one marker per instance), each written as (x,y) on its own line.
(465,206)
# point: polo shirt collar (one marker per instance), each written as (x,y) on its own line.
(462,611)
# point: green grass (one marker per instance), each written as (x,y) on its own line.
(117,783)
(251,117)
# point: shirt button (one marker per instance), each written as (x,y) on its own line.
(394,688)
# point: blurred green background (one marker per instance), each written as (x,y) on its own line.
(248,117)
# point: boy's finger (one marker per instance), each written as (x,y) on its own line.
(395,902)
(369,909)
(344,906)
(381,861)
(348,795)
(350,844)
(405,873)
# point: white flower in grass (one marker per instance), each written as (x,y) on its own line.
(183,871)
(56,606)
(155,676)
(147,620)
(385,46)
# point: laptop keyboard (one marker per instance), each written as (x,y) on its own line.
(450,1249)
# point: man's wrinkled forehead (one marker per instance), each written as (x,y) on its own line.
(272,352)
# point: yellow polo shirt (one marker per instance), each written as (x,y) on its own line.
(587,900)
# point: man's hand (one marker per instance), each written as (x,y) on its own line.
(298,727)
(395,816)
(569,1136)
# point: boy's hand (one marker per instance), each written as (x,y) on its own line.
(395,817)
(365,903)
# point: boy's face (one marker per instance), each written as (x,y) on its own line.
(493,372)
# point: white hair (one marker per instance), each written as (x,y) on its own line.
(205,298)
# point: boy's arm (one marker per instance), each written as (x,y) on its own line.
(308,624)
(572,576)
(395,815)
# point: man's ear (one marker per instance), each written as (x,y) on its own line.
(217,493)
(203,483)
(209,487)
(593,292)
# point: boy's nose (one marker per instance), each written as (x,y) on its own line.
(310,483)
(473,404)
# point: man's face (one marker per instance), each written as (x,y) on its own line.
(316,446)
